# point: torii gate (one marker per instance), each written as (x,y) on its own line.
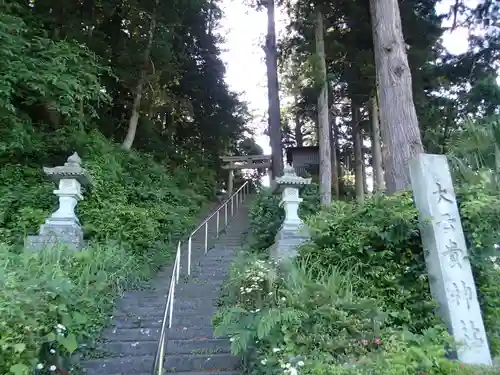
(244,162)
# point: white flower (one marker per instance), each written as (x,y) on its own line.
(60,329)
(497,246)
(52,368)
(264,361)
(283,298)
(300,363)
(231,339)
(276,350)
(293,371)
(39,366)
(52,351)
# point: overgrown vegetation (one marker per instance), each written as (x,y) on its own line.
(54,301)
(131,216)
(69,83)
(357,299)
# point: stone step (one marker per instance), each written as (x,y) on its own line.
(157,314)
(145,297)
(209,262)
(119,365)
(216,275)
(138,323)
(141,348)
(148,334)
(177,321)
(173,363)
(188,293)
(201,362)
(158,309)
(197,279)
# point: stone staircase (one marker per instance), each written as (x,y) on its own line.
(129,345)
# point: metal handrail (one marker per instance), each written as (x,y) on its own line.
(236,198)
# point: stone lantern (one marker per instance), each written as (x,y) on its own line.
(63,226)
(292,232)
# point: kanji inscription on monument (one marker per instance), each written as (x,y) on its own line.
(452,283)
(460,293)
(447,222)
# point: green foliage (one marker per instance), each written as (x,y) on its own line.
(52,301)
(357,300)
(265,218)
(66,73)
(481,221)
(311,323)
(134,200)
(474,153)
(404,353)
(70,73)
(380,240)
(135,203)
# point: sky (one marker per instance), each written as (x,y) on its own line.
(244,30)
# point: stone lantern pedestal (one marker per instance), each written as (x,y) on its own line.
(292,232)
(63,226)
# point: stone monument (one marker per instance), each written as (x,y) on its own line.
(63,226)
(292,232)
(450,274)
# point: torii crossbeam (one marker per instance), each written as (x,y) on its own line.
(244,162)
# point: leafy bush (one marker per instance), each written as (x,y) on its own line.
(357,300)
(380,240)
(134,200)
(319,324)
(53,300)
(137,204)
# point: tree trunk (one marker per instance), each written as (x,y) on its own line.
(399,123)
(136,104)
(378,172)
(299,138)
(325,166)
(363,168)
(333,154)
(340,169)
(273,92)
(358,154)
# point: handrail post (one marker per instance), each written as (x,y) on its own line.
(171,307)
(178,255)
(217,218)
(162,356)
(190,244)
(225,214)
(206,237)
(232,205)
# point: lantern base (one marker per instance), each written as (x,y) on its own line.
(287,243)
(52,234)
